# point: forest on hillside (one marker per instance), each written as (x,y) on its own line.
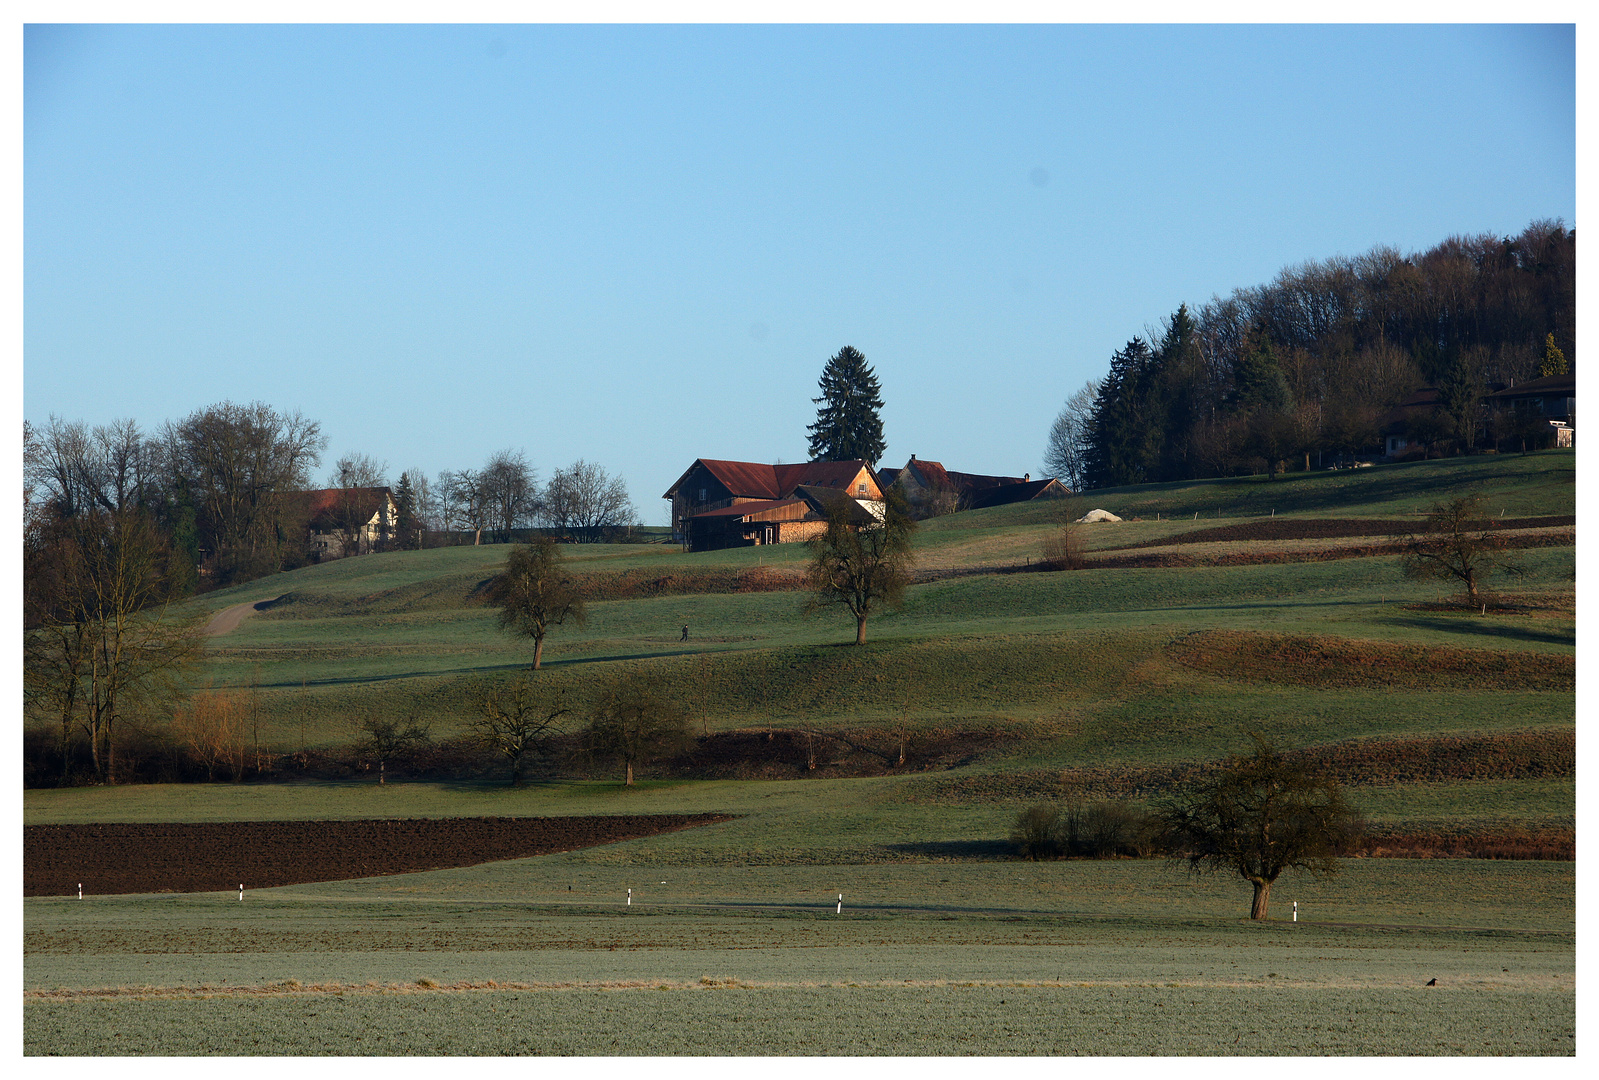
(1284,374)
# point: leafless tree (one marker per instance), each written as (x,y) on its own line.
(534,593)
(102,643)
(466,501)
(390,739)
(1459,544)
(1065,455)
(862,567)
(635,721)
(359,471)
(1263,814)
(73,467)
(509,490)
(586,501)
(518,720)
(236,463)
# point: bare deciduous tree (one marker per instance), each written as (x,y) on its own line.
(1263,814)
(534,594)
(634,722)
(236,462)
(862,566)
(518,720)
(509,491)
(1065,454)
(587,502)
(102,643)
(1459,544)
(388,739)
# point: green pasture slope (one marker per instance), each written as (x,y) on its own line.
(943,945)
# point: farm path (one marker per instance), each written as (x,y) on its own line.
(228,619)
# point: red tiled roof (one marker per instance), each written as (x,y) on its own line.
(1019,492)
(323,503)
(969,482)
(752,480)
(741,509)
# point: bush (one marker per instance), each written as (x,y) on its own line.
(1083,830)
(1036,833)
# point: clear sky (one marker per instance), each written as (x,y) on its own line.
(639,245)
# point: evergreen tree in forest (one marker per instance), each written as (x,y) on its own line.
(1258,381)
(1554,361)
(1120,442)
(405,508)
(1179,399)
(848,426)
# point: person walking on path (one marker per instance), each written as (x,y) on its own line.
(685,633)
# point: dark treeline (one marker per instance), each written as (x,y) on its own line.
(1307,365)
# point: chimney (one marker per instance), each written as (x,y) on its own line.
(913,457)
(1026,477)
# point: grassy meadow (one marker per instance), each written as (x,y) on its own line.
(946,944)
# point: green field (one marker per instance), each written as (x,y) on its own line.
(945,945)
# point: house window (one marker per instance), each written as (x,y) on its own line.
(861,489)
(702,494)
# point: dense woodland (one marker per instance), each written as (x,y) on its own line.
(1280,375)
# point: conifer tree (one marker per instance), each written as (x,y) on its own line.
(848,426)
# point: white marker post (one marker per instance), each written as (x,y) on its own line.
(630,898)
(80,890)
(1296,911)
(840,904)
(241,891)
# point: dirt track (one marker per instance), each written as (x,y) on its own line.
(228,619)
(169,857)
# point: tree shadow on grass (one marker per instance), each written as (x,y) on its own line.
(981,850)
(1489,628)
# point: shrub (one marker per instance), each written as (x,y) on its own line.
(1036,833)
(1083,830)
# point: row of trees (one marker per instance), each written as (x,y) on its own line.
(581,502)
(1308,364)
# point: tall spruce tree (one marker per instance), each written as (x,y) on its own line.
(848,426)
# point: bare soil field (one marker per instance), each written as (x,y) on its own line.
(214,857)
(1284,528)
(1345,663)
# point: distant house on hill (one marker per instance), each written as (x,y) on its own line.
(347,521)
(932,489)
(1553,397)
(720,504)
(1411,425)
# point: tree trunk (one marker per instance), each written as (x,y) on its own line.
(629,774)
(860,629)
(380,771)
(1257,910)
(538,651)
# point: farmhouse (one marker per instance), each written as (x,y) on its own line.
(348,521)
(932,489)
(719,504)
(1553,398)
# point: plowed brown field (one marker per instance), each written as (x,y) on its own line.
(212,857)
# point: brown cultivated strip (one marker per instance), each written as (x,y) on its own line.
(1399,843)
(1511,755)
(1345,663)
(218,856)
(1285,528)
(636,584)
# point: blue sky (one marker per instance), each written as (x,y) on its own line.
(639,245)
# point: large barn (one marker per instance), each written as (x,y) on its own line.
(720,504)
